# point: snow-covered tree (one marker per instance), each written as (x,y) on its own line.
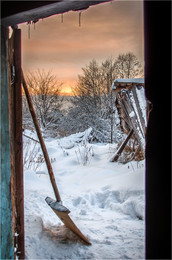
(88,90)
(93,96)
(45,92)
(93,100)
(108,74)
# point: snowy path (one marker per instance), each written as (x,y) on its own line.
(106,201)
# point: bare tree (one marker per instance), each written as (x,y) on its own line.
(93,99)
(128,66)
(45,92)
(108,75)
(88,89)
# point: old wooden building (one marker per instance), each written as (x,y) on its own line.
(130,101)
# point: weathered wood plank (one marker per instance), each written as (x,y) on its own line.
(121,148)
(133,120)
(11,117)
(138,108)
(6,234)
(18,144)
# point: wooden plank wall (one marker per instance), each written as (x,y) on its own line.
(6,204)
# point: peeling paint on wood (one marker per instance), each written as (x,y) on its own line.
(18,144)
(6,205)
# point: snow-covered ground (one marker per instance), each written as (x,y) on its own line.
(106,201)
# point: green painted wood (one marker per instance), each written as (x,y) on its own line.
(5,174)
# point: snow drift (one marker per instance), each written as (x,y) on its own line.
(106,201)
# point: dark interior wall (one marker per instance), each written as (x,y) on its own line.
(11,7)
(157,22)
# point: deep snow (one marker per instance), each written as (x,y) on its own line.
(106,201)
(134,80)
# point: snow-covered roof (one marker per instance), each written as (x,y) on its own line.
(19,12)
(125,82)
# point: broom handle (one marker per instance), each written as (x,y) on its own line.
(36,123)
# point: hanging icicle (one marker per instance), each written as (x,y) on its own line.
(28,23)
(61,18)
(34,22)
(79,19)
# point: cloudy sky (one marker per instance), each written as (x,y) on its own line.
(64,48)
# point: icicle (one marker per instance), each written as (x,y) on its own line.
(79,19)
(61,18)
(34,22)
(28,29)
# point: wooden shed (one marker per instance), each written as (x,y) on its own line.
(157,64)
(130,101)
(127,100)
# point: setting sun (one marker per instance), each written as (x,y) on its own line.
(66,91)
(67,86)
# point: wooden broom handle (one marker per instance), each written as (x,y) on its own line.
(44,150)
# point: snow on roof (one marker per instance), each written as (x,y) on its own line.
(20,13)
(118,82)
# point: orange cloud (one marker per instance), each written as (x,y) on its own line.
(64,48)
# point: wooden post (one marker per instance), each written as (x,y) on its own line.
(11,117)
(121,148)
(18,144)
(41,140)
(6,234)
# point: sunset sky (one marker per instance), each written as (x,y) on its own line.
(64,48)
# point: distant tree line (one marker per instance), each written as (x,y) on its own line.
(93,103)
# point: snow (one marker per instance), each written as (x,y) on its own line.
(142,102)
(106,201)
(134,80)
(132,114)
